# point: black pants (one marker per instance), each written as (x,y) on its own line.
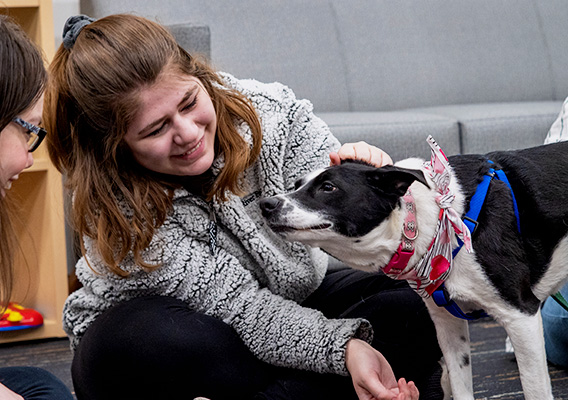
(34,383)
(157,348)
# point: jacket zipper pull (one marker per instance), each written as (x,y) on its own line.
(212,232)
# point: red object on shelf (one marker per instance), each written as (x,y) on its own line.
(17,317)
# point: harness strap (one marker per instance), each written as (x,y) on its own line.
(476,203)
(442,299)
(441,296)
(503,178)
(478,199)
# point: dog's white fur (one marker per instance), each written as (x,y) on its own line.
(467,285)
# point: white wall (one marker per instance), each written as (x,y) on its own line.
(62,9)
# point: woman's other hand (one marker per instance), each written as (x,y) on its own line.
(372,375)
(360,151)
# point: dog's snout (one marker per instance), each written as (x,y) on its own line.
(270,205)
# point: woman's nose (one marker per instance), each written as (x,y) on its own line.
(185,131)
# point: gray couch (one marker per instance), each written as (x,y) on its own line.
(479,75)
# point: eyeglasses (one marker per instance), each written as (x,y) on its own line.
(36,134)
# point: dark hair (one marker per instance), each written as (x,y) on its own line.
(23,76)
(22,81)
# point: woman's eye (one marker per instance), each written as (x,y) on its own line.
(191,104)
(157,131)
(328,187)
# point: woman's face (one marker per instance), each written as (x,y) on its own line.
(173,131)
(14,154)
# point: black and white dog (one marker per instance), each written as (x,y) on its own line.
(357,213)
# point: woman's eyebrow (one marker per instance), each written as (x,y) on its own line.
(157,122)
(188,94)
(151,125)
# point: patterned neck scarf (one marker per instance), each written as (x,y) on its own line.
(435,266)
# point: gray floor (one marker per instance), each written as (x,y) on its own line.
(495,372)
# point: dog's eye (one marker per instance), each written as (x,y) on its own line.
(328,187)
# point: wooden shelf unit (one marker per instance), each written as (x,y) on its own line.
(41,262)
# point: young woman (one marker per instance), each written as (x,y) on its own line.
(22,82)
(187,292)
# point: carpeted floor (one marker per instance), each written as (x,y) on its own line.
(495,373)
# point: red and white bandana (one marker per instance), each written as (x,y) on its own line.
(435,266)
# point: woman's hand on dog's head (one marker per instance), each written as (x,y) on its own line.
(360,151)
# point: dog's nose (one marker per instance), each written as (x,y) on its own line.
(269,206)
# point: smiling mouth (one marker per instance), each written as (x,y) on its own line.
(287,228)
(192,150)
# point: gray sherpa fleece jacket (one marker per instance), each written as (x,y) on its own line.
(255,280)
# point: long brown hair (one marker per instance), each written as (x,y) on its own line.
(91,100)
(22,82)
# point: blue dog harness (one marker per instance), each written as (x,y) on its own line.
(440,295)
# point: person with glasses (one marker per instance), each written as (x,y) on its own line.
(22,83)
(17,143)
(186,290)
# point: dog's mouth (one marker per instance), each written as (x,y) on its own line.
(288,228)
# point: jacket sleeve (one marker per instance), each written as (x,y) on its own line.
(276,330)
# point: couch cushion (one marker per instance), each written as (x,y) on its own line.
(500,126)
(193,38)
(409,53)
(401,134)
(294,42)
(553,15)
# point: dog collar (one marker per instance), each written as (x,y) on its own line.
(435,265)
(434,268)
(405,250)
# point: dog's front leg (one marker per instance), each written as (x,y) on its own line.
(527,339)
(453,337)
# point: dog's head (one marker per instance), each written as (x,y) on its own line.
(331,205)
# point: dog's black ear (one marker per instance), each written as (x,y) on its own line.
(395,180)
